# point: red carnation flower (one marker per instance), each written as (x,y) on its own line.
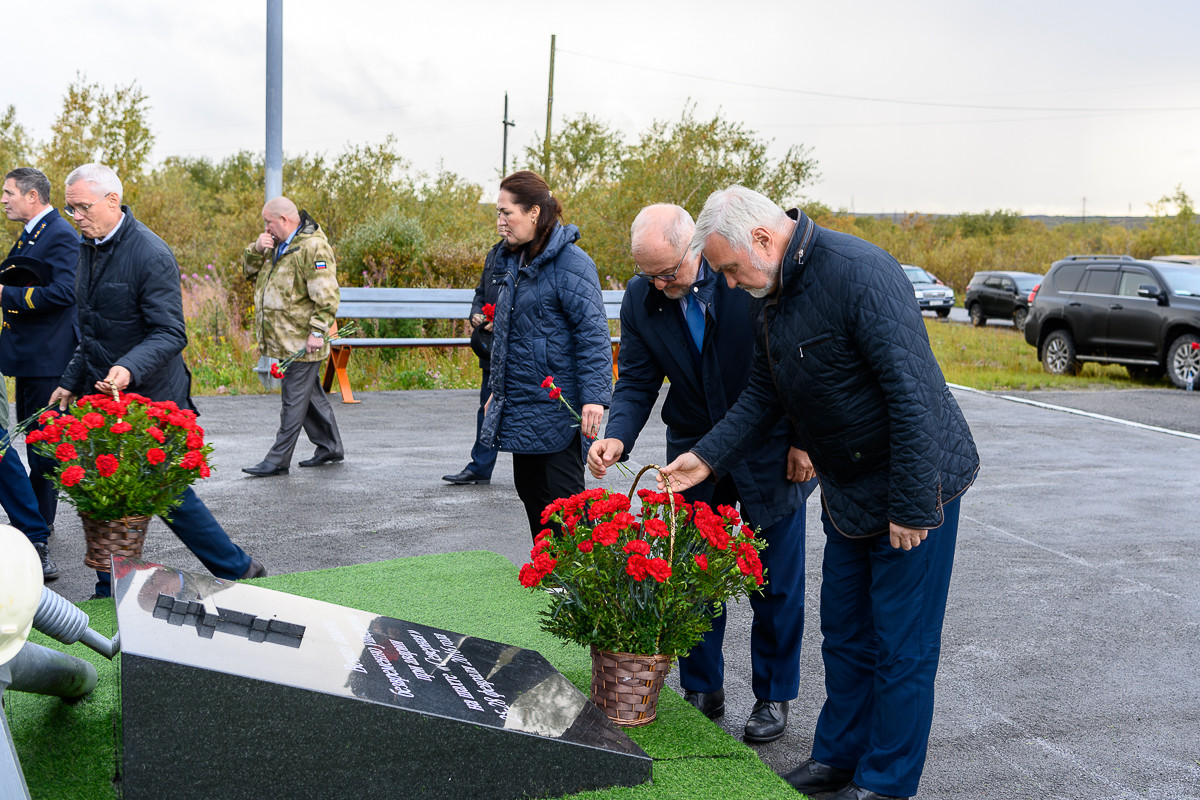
(52,433)
(637,567)
(489,311)
(72,475)
(204,471)
(156,434)
(655,527)
(194,441)
(555,393)
(47,416)
(546,384)
(78,431)
(107,464)
(34,437)
(276,372)
(701,561)
(93,420)
(192,459)
(66,452)
(530,576)
(121,427)
(638,546)
(660,568)
(155,456)
(586,546)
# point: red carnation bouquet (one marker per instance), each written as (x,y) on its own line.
(644,581)
(124,456)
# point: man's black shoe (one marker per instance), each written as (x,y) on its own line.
(813,776)
(316,461)
(255,570)
(856,792)
(49,568)
(467,477)
(710,704)
(767,721)
(100,597)
(265,469)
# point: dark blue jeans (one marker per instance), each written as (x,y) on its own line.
(17,497)
(881,619)
(196,527)
(483,458)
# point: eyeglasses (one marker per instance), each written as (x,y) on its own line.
(665,277)
(80,211)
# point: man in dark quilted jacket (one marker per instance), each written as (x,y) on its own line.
(843,354)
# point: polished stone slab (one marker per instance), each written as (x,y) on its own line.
(228,689)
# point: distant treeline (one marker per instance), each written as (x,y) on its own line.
(393,226)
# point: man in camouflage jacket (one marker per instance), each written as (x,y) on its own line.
(295,301)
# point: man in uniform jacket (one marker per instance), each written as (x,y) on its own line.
(678,321)
(842,353)
(40,333)
(132,335)
(295,302)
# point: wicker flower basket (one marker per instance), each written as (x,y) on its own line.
(626,686)
(121,537)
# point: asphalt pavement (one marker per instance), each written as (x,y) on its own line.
(1071,649)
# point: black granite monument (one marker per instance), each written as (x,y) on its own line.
(235,691)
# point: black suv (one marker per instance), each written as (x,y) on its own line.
(1000,295)
(1117,309)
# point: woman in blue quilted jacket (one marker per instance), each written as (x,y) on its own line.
(550,323)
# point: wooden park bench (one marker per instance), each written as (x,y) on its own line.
(372,303)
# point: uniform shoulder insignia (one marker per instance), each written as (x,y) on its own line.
(319,265)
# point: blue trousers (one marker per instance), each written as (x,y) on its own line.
(483,458)
(778,626)
(33,394)
(17,497)
(196,527)
(881,619)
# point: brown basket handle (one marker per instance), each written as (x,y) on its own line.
(672,524)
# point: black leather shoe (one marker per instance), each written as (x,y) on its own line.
(49,568)
(710,704)
(855,792)
(813,776)
(767,721)
(466,477)
(255,570)
(265,469)
(316,461)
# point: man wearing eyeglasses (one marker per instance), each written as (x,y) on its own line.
(678,321)
(132,335)
(40,333)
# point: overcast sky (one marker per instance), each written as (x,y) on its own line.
(935,106)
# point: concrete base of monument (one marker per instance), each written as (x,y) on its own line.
(236,691)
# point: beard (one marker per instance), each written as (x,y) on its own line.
(770,270)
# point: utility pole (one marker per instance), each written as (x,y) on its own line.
(1083,218)
(274,152)
(508,123)
(549,111)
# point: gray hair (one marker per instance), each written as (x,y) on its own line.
(676,229)
(733,213)
(101,178)
(29,179)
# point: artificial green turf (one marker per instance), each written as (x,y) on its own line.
(69,751)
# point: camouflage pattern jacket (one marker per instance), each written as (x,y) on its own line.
(295,294)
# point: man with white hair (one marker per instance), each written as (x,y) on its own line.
(681,323)
(295,302)
(843,354)
(132,335)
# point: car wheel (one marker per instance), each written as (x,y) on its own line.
(943,312)
(1058,354)
(977,317)
(1183,360)
(1019,317)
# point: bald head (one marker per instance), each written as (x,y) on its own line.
(282,207)
(659,239)
(280,219)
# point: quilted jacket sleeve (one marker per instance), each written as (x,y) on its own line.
(887,328)
(583,306)
(161,307)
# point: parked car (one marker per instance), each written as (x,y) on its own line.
(1000,295)
(1120,310)
(932,294)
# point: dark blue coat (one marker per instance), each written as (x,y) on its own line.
(842,351)
(40,332)
(655,344)
(550,321)
(130,313)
